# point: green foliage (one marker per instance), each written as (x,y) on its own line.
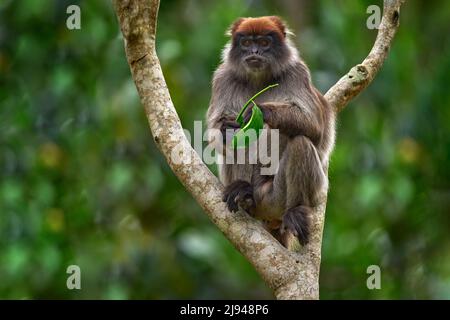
(81,181)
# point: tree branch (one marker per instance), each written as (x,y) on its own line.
(361,75)
(291,275)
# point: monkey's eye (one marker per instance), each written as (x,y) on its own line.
(246,42)
(264,42)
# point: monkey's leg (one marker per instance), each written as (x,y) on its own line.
(304,178)
(295,187)
(236,176)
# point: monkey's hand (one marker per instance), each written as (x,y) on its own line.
(266,109)
(239,194)
(228,125)
(291,119)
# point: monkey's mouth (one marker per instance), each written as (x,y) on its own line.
(254,62)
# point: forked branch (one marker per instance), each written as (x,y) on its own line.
(361,75)
(291,275)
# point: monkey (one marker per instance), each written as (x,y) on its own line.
(260,52)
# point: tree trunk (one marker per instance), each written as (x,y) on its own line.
(291,275)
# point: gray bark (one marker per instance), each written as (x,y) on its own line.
(291,275)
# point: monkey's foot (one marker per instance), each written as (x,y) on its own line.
(239,194)
(297,222)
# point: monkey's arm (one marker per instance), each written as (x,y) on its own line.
(292,119)
(221,127)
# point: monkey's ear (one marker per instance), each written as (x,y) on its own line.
(281,25)
(232,29)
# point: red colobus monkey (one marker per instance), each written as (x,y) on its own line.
(261,53)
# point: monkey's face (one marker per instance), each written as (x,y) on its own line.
(254,51)
(257,53)
(258,47)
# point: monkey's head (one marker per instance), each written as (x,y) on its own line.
(258,45)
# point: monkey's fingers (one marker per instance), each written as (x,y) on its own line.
(267,109)
(238,193)
(245,200)
(247,114)
(229,200)
(297,222)
(233,124)
(229,195)
(232,205)
(229,124)
(230,127)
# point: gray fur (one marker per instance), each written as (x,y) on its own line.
(307,130)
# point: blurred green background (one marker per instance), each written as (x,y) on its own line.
(81,181)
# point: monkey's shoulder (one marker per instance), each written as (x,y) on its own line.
(226,85)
